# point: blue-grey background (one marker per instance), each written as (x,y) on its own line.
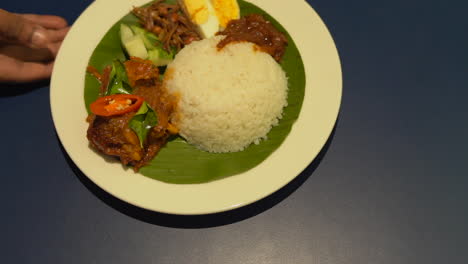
(390,187)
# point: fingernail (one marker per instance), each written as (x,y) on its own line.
(39,38)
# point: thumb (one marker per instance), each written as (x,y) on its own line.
(15,29)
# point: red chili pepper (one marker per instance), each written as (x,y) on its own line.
(116,104)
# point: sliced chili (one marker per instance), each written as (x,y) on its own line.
(116,104)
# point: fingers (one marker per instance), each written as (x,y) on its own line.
(27,54)
(49,22)
(57,35)
(28,43)
(35,31)
(18,30)
(54,48)
(12,70)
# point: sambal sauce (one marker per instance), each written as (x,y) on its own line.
(254,28)
(109,131)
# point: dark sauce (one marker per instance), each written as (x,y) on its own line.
(256,29)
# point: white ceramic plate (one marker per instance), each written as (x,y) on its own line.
(307,137)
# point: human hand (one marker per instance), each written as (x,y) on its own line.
(28,45)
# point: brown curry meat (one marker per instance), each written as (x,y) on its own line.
(254,28)
(112,135)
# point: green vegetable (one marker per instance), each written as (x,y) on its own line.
(119,81)
(144,119)
(125,33)
(149,39)
(160,57)
(133,43)
(135,47)
(140,43)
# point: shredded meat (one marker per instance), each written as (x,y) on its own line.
(254,28)
(169,23)
(113,136)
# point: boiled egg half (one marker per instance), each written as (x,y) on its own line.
(210,15)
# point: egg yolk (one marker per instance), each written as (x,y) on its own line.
(226,10)
(197,10)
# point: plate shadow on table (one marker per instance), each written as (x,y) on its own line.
(208,220)
(16,89)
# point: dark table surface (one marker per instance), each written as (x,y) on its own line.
(390,187)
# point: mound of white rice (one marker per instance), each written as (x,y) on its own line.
(229,98)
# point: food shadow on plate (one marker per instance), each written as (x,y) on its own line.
(15,89)
(207,220)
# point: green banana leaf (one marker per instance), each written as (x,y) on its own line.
(181,163)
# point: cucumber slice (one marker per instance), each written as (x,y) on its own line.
(138,30)
(153,55)
(144,36)
(135,47)
(152,41)
(163,54)
(125,33)
(133,43)
(159,57)
(143,44)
